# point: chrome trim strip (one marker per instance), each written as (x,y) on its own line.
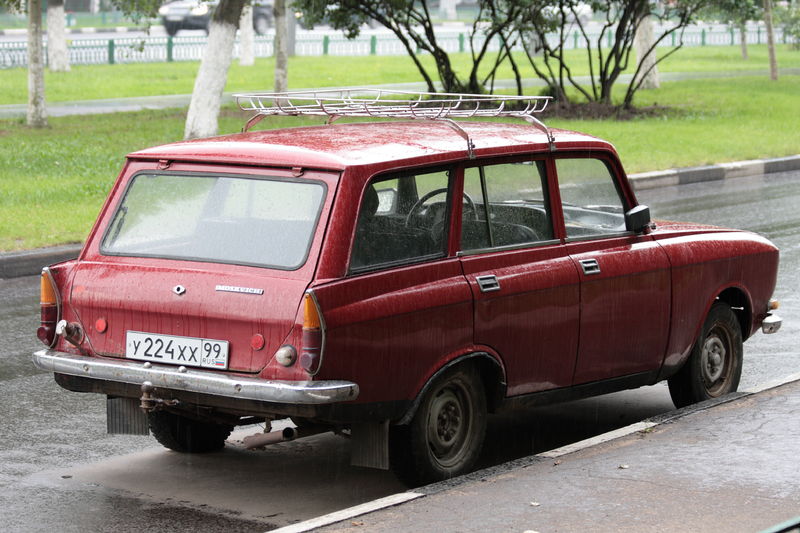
(508,247)
(204,382)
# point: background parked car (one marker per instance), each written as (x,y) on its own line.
(195,15)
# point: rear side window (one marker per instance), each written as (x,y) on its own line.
(402,219)
(220,219)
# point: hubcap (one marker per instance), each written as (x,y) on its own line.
(714,363)
(448,425)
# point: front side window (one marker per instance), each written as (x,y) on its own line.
(221,219)
(591,202)
(505,205)
(402,219)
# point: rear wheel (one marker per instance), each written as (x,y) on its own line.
(186,435)
(715,364)
(171,28)
(446,434)
(261,24)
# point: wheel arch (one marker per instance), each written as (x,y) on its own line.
(490,370)
(740,303)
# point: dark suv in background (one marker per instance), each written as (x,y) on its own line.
(196,14)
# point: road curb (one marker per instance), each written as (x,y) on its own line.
(722,171)
(31,262)
(524,462)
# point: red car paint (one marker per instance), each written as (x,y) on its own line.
(551,326)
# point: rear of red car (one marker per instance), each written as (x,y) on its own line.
(192,290)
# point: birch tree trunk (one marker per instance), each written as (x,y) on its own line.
(57,53)
(37,111)
(642,42)
(773,61)
(743,39)
(247,38)
(281,50)
(201,120)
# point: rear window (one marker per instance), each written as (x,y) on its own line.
(222,219)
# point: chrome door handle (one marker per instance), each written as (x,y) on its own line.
(590,266)
(488,283)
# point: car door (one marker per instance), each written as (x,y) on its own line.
(404,309)
(624,277)
(525,286)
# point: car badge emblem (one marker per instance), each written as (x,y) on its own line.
(179,290)
(241,290)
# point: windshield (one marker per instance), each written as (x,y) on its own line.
(240,220)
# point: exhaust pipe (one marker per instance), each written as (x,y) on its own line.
(259,440)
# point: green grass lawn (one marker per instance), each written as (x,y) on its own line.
(53,181)
(150,79)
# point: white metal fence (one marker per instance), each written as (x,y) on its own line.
(166,49)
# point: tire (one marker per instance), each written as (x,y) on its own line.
(261,24)
(715,364)
(445,437)
(186,435)
(171,28)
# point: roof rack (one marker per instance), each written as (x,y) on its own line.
(380,103)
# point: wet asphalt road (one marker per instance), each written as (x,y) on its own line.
(60,471)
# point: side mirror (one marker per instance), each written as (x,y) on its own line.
(637,219)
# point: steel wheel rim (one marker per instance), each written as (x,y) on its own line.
(715,361)
(449,424)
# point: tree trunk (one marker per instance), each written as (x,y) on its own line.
(247,38)
(643,41)
(57,53)
(281,49)
(201,120)
(743,39)
(37,110)
(773,62)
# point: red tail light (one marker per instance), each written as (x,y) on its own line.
(313,342)
(50,309)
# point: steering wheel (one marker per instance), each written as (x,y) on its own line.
(419,204)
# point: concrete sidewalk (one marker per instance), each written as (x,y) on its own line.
(724,466)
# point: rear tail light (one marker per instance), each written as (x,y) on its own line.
(50,309)
(313,341)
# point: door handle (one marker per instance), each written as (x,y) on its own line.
(488,283)
(590,266)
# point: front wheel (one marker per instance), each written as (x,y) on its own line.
(171,28)
(445,437)
(715,364)
(186,435)
(261,24)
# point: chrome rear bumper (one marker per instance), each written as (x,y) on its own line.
(200,381)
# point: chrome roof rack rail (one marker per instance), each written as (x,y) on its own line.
(380,103)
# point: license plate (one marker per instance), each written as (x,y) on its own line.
(171,349)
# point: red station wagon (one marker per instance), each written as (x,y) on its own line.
(396,281)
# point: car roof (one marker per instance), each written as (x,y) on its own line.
(338,146)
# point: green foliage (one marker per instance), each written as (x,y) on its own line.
(735,12)
(137,10)
(789,18)
(11,5)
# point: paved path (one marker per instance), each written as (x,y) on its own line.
(724,467)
